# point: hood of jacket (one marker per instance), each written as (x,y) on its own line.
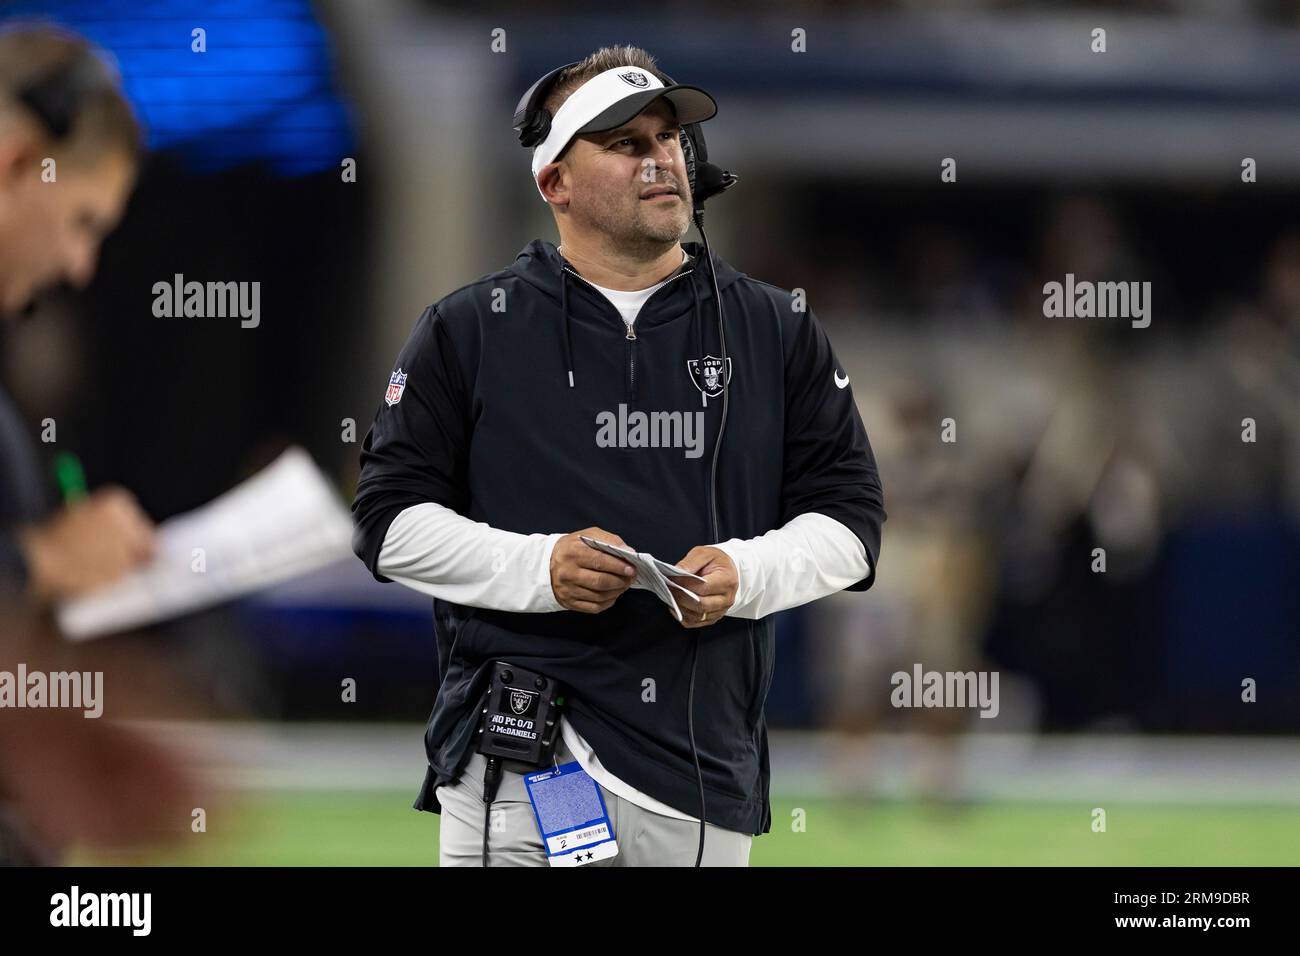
(691,290)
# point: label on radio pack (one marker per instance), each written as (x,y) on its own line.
(516,714)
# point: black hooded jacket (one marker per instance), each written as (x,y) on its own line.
(508,380)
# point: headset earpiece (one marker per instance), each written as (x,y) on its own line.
(689,154)
(532,122)
(704,178)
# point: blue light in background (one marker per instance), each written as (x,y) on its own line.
(262,93)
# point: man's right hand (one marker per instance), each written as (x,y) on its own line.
(585,579)
(86,545)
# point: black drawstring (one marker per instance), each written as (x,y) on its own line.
(564,308)
(699,338)
(568,321)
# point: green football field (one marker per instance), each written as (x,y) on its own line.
(341,828)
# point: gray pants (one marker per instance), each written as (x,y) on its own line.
(644,838)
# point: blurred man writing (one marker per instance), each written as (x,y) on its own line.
(68,153)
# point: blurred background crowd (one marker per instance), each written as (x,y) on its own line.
(1070,434)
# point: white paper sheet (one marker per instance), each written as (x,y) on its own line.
(283,522)
(651,573)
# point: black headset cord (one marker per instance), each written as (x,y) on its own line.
(491,780)
(713,519)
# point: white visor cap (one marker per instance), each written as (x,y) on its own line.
(610,99)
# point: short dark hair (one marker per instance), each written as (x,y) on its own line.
(606,58)
(103,119)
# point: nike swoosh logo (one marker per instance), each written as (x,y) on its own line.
(838,383)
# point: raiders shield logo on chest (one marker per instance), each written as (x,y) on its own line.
(706,373)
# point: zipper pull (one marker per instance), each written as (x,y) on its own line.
(631,335)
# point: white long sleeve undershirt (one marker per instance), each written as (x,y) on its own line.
(438,552)
(810,556)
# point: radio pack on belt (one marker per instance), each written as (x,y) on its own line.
(519,718)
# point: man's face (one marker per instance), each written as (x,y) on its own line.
(50,232)
(609,174)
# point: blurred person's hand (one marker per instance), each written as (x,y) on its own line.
(87,545)
(585,579)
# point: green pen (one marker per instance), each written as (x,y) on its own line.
(70,476)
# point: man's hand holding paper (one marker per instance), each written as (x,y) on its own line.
(694,600)
(713,580)
(588,578)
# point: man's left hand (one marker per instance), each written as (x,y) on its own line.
(717,592)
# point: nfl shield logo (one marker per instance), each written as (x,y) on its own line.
(706,373)
(396,386)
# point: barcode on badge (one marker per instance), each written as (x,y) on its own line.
(565,842)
